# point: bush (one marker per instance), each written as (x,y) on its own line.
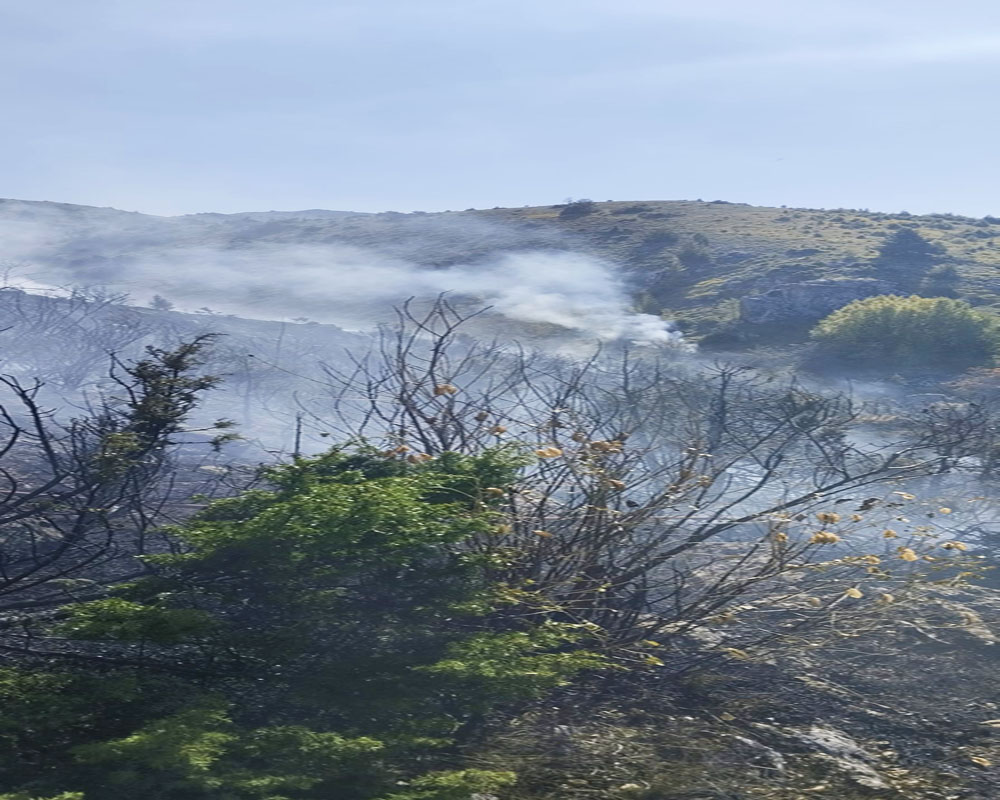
(327,637)
(894,331)
(577,209)
(905,257)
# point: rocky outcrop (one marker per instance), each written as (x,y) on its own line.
(806,301)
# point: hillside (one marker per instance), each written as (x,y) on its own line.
(446,568)
(692,260)
(689,260)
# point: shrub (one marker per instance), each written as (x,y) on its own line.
(894,331)
(578,208)
(905,257)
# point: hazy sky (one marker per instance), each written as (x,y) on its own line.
(176,106)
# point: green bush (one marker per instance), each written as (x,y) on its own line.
(327,638)
(906,332)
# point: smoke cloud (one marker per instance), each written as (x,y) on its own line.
(333,282)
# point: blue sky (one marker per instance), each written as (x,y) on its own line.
(177,106)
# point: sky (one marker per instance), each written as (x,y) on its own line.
(183,106)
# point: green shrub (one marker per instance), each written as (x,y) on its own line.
(327,638)
(906,332)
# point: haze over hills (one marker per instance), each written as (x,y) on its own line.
(582,265)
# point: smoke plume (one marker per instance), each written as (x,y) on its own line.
(270,269)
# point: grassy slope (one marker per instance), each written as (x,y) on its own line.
(689,259)
(747,243)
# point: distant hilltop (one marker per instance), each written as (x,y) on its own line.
(691,261)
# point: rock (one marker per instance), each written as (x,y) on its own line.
(834,747)
(764,758)
(808,300)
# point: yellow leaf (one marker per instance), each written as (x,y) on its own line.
(780,536)
(653,661)
(651,643)
(907,554)
(814,601)
(983,762)
(885,598)
(853,592)
(828,517)
(735,652)
(544,534)
(944,510)
(906,495)
(888,533)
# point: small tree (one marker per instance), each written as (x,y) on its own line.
(577,209)
(905,257)
(328,638)
(896,332)
(160,303)
(78,499)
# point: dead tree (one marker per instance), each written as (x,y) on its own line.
(80,498)
(660,497)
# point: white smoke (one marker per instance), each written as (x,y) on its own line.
(337,283)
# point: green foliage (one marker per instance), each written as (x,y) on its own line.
(454,785)
(577,209)
(117,618)
(492,668)
(199,752)
(328,637)
(905,258)
(906,247)
(904,332)
(60,796)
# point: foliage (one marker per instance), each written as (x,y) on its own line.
(578,208)
(454,785)
(331,634)
(896,332)
(908,248)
